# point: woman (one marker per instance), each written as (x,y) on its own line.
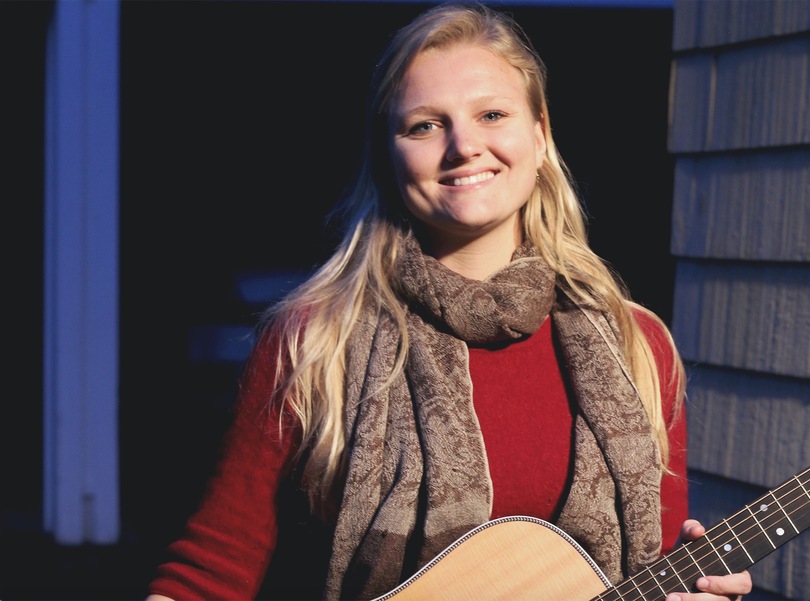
(463,355)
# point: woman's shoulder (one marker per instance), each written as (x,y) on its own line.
(259,374)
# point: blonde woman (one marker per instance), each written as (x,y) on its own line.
(462,357)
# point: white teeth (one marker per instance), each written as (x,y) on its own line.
(473,179)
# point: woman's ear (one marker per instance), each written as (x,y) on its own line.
(540,143)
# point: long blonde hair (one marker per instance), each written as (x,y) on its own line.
(314,322)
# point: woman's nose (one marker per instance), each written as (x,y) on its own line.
(463,144)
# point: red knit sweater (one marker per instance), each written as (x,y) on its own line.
(526,419)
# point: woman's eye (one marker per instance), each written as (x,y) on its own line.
(421,128)
(493,116)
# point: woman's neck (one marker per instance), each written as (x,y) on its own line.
(477,258)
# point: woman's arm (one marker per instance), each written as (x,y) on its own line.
(228,542)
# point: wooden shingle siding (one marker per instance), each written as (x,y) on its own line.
(703,24)
(764,416)
(739,129)
(745,316)
(751,206)
(741,97)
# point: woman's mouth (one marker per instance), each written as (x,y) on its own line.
(472,179)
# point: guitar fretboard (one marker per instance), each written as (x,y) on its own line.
(733,545)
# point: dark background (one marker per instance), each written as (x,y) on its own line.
(240,124)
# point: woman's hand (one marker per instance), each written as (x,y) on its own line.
(712,588)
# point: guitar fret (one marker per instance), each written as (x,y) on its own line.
(719,555)
(742,546)
(649,587)
(765,532)
(692,577)
(677,575)
(802,485)
(785,513)
(660,577)
(658,584)
(802,519)
(731,546)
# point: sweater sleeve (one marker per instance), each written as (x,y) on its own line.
(228,542)
(674,489)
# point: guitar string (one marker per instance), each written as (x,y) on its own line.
(669,581)
(759,527)
(770,519)
(674,579)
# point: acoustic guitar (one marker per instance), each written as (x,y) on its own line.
(518,557)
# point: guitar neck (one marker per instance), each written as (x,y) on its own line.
(733,545)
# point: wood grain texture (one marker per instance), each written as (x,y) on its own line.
(706,24)
(519,560)
(744,316)
(733,415)
(749,207)
(741,98)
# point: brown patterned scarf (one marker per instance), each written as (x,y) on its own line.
(418,476)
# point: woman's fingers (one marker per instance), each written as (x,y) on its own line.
(717,588)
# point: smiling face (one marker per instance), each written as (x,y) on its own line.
(465,146)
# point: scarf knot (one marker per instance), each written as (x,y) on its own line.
(511,304)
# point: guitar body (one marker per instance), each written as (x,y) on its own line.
(521,558)
(512,559)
